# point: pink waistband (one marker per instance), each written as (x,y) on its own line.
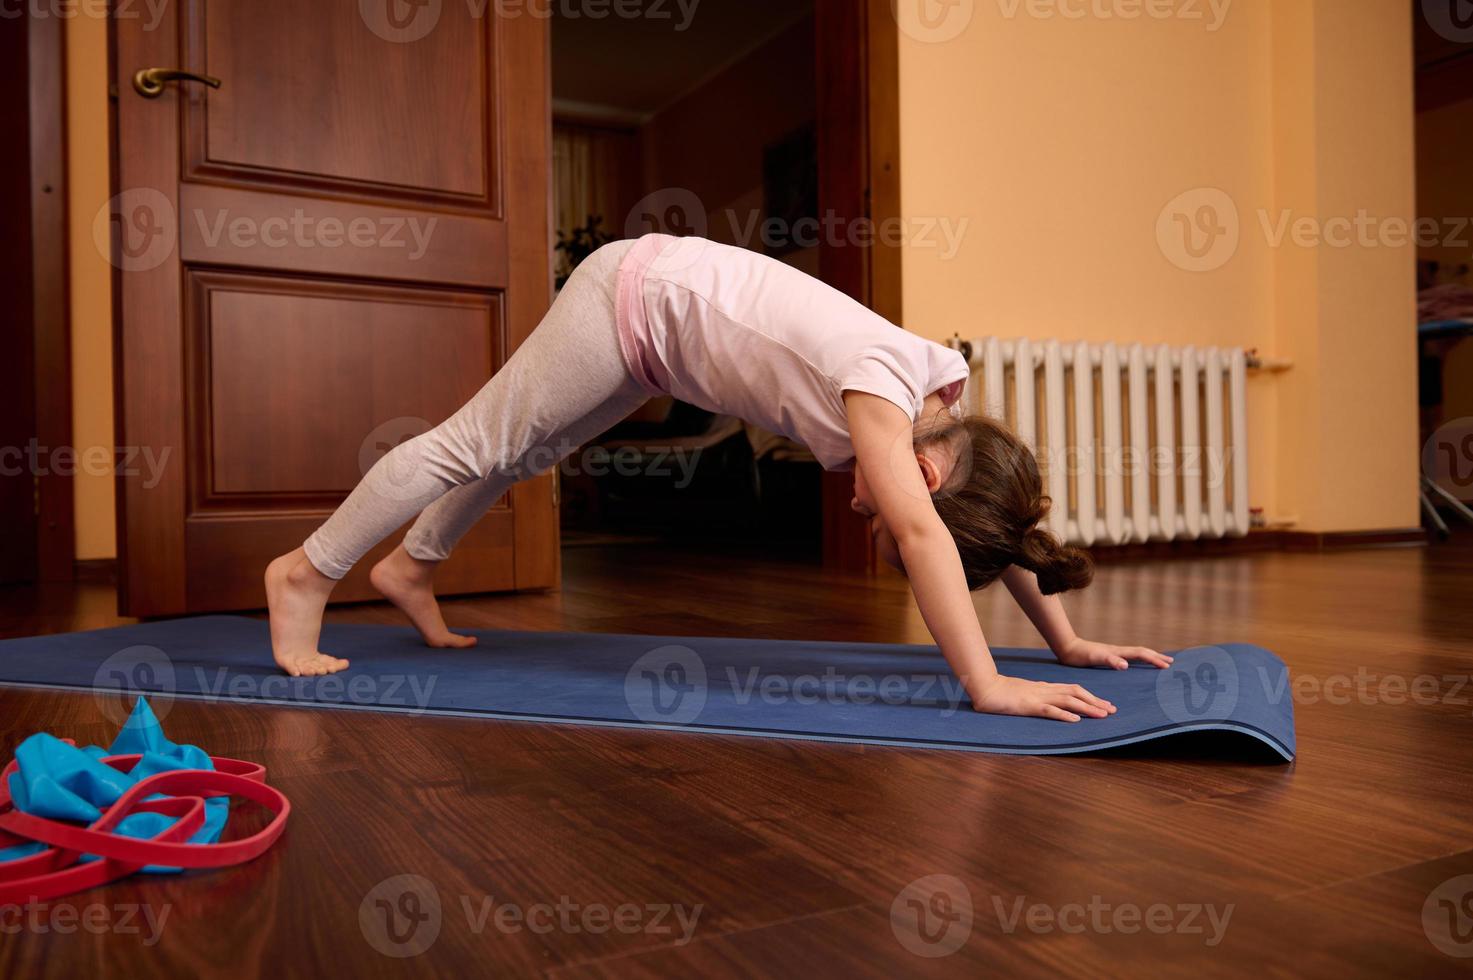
(630,316)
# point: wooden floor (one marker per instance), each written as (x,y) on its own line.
(585,852)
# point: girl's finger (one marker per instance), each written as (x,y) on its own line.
(1083,707)
(1119,663)
(1075,690)
(1147,655)
(1057,714)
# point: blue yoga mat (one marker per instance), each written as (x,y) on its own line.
(845,692)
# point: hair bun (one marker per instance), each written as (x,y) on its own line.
(1059,567)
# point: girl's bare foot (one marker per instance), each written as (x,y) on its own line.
(297,593)
(406,582)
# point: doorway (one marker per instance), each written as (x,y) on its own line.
(1443,47)
(765,124)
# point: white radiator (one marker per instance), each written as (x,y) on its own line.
(1127,452)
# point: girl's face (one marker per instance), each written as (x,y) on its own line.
(864,504)
(935,465)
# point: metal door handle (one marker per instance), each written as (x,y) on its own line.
(149,82)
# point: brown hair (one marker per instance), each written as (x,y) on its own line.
(993,504)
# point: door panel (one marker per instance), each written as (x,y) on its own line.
(412,118)
(329,267)
(264,346)
(291,233)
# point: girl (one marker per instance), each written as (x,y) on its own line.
(953,503)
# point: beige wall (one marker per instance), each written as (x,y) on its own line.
(91,283)
(1061,141)
(1348,417)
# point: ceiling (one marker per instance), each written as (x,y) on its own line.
(629,67)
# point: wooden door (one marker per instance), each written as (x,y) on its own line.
(857,54)
(320,258)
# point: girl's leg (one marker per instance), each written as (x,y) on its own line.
(567,381)
(405,576)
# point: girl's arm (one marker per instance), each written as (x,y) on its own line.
(884,448)
(1046,612)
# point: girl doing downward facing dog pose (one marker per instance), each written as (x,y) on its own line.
(954,503)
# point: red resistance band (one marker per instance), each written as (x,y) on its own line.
(56,872)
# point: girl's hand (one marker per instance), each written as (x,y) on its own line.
(1087,653)
(1038,699)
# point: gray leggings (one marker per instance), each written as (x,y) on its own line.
(566,384)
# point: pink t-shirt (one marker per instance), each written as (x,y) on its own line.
(738,333)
